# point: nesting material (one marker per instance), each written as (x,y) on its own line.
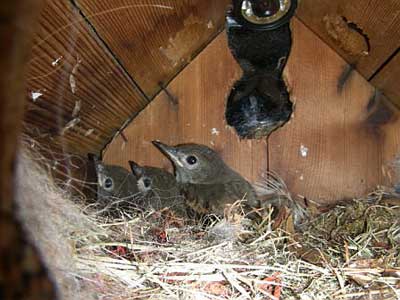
(156,255)
(55,224)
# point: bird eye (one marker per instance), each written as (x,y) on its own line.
(146,182)
(108,184)
(191,160)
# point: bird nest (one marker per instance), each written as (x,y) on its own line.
(348,252)
(154,255)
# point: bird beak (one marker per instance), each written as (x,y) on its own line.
(136,169)
(94,159)
(169,151)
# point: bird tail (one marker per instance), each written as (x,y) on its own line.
(272,190)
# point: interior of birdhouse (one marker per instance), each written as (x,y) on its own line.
(201,149)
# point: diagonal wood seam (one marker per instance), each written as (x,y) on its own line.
(384,64)
(118,63)
(107,49)
(378,69)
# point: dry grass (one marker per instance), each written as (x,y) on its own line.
(154,255)
(188,264)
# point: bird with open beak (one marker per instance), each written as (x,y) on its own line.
(207,183)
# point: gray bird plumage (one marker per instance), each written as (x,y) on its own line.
(116,187)
(159,189)
(207,183)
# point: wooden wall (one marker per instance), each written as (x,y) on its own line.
(376,21)
(340,136)
(96,64)
(388,79)
(154,39)
(201,90)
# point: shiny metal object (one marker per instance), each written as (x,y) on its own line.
(249,14)
(259,38)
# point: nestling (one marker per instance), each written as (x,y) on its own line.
(116,186)
(158,188)
(207,183)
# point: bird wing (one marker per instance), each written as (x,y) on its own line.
(241,190)
(212,198)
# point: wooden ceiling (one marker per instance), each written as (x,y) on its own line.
(153,40)
(96,64)
(336,146)
(344,24)
(376,21)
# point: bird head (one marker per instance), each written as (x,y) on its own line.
(194,163)
(144,181)
(152,179)
(113,181)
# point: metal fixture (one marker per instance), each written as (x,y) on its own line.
(259,37)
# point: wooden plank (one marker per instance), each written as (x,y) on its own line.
(388,80)
(154,39)
(379,20)
(201,90)
(348,132)
(70,68)
(384,122)
(334,146)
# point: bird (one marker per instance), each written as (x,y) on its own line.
(207,183)
(117,188)
(159,189)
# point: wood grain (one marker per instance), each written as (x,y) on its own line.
(334,146)
(70,66)
(379,20)
(388,80)
(349,134)
(201,90)
(389,128)
(154,39)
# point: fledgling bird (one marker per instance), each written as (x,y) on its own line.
(207,183)
(159,189)
(116,186)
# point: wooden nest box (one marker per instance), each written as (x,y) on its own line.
(108,77)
